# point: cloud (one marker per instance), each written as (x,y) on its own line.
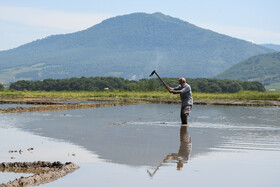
(47,18)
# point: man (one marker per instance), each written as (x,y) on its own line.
(185,92)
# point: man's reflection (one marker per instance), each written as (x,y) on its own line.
(183,154)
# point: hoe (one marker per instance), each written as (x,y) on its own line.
(154,72)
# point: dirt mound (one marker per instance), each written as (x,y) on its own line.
(44,172)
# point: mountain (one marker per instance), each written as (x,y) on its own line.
(128,46)
(272,46)
(263,68)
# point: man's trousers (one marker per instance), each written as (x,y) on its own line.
(185,111)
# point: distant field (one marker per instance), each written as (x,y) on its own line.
(275,86)
(143,95)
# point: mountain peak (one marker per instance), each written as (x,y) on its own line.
(128,46)
(140,17)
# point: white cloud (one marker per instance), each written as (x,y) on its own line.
(48,18)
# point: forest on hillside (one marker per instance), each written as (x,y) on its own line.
(263,68)
(204,85)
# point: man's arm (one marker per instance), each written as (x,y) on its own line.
(170,89)
(183,90)
(177,88)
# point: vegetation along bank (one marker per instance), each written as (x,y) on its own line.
(204,85)
(63,94)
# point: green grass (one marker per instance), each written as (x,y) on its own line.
(145,95)
(240,95)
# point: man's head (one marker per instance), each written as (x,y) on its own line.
(182,81)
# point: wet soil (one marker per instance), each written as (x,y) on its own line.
(44,172)
(65,106)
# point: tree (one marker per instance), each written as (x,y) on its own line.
(49,84)
(1,87)
(214,88)
(99,83)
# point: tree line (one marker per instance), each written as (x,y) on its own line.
(205,85)
(1,87)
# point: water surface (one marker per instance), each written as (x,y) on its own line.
(2,106)
(144,145)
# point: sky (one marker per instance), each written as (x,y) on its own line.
(23,21)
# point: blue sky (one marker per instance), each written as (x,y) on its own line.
(23,21)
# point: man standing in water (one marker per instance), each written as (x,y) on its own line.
(185,92)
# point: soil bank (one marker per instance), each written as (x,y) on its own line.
(44,172)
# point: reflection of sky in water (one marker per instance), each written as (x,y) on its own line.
(80,102)
(2,106)
(231,146)
(44,149)
(6,177)
(47,149)
(229,169)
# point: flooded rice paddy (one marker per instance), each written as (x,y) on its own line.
(145,145)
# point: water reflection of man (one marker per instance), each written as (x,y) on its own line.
(183,154)
(185,92)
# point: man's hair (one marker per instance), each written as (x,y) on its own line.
(182,79)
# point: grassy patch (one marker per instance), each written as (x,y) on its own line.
(153,95)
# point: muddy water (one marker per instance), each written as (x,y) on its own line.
(144,145)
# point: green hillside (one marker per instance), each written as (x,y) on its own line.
(128,46)
(262,68)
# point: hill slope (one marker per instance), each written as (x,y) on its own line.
(263,68)
(272,46)
(128,46)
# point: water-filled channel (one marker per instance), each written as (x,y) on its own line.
(145,145)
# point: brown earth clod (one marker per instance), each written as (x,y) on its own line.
(44,172)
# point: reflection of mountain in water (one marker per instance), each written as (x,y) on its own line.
(131,144)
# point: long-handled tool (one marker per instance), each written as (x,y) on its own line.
(152,174)
(154,72)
